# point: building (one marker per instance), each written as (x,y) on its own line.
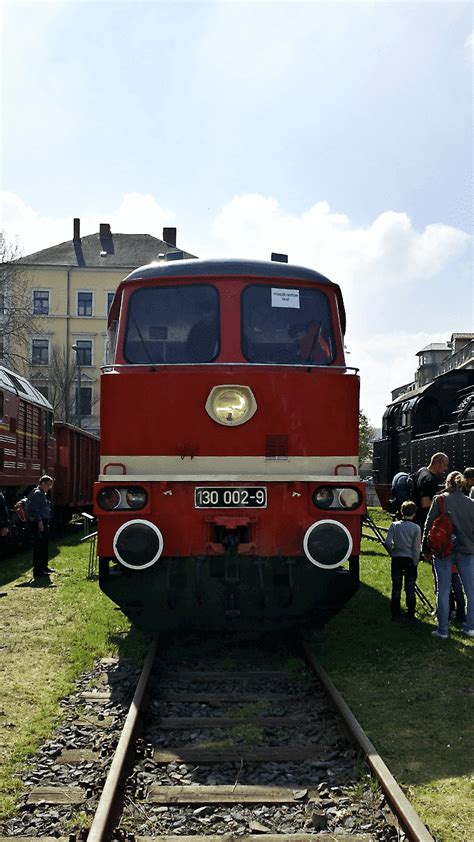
(72,287)
(438,358)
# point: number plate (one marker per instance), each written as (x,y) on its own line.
(230,498)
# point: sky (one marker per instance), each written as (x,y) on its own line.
(340,133)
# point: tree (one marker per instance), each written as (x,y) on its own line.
(17,321)
(367,434)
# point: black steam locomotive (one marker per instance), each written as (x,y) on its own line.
(436,417)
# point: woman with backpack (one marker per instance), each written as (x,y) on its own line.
(448,539)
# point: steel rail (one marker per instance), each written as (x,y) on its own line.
(107,804)
(405,813)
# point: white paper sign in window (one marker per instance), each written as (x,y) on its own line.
(286,298)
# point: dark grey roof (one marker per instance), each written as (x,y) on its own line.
(258,268)
(116,251)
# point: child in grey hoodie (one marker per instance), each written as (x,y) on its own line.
(403,542)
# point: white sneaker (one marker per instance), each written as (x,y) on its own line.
(436,633)
(469,633)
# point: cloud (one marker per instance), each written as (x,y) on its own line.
(388,251)
(469,47)
(137,213)
(385,361)
(399,284)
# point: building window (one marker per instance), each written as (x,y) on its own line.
(110,298)
(84,351)
(40,351)
(43,390)
(84,303)
(2,347)
(41,302)
(85,407)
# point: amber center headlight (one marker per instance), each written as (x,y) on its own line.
(231,405)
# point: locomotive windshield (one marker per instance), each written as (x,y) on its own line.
(289,326)
(173,324)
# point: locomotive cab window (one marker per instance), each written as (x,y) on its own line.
(287,326)
(172,324)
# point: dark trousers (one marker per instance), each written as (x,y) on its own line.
(403,570)
(40,548)
(457,602)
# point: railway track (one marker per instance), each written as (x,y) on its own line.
(227,749)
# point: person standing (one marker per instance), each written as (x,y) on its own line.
(39,508)
(469,482)
(427,485)
(460,510)
(403,542)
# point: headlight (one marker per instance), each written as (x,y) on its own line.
(349,498)
(323,498)
(331,497)
(231,405)
(136,498)
(122,498)
(108,498)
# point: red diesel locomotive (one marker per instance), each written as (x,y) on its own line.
(229,493)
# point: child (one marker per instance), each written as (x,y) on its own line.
(403,542)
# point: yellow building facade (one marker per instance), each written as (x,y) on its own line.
(71,287)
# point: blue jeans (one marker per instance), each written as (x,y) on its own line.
(465,565)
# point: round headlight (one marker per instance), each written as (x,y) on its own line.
(323,498)
(231,405)
(108,498)
(349,498)
(136,498)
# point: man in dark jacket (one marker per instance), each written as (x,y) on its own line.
(427,485)
(39,509)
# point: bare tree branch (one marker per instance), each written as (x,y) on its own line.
(17,321)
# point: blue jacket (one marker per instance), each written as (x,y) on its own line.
(39,506)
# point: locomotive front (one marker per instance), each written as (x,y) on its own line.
(229,494)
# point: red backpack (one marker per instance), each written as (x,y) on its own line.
(441,533)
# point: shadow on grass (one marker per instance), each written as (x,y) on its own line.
(412,693)
(17,565)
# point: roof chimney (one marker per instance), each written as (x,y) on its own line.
(169,236)
(77,228)
(104,230)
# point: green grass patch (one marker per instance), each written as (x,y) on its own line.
(412,693)
(50,634)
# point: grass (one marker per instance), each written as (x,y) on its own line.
(412,694)
(50,635)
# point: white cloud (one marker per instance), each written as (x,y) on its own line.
(400,285)
(137,214)
(387,360)
(388,252)
(469,47)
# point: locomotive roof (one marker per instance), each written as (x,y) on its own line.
(215,267)
(12,382)
(234,267)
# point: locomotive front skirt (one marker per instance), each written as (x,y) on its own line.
(229,493)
